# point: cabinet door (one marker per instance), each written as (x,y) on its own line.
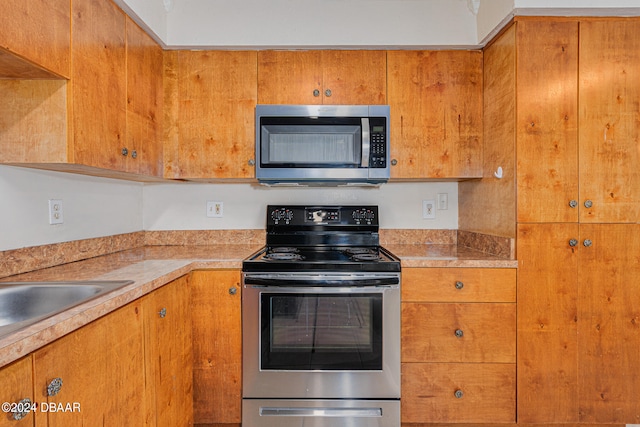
(436,113)
(39,31)
(322,77)
(144,102)
(217,346)
(17,385)
(547,329)
(458,393)
(609,117)
(547,121)
(101,368)
(168,360)
(609,323)
(98,85)
(210,114)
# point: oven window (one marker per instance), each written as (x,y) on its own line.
(321,331)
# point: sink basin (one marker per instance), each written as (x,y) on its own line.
(25,303)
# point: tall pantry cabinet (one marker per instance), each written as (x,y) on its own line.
(576,130)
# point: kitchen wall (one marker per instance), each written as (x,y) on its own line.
(95,207)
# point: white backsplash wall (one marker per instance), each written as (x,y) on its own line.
(92,207)
(182,206)
(97,207)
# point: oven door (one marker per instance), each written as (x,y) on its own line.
(321,336)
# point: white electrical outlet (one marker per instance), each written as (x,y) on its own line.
(55,211)
(215,209)
(429,209)
(443,201)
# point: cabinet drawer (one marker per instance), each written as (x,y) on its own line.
(458,393)
(459,284)
(459,332)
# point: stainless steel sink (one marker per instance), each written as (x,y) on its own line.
(25,303)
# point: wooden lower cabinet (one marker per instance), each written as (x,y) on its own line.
(99,370)
(17,385)
(168,355)
(217,346)
(131,367)
(458,345)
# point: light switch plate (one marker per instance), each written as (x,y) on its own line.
(429,209)
(215,209)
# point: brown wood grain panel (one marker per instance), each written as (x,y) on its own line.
(17,384)
(478,199)
(289,77)
(547,120)
(609,116)
(144,101)
(488,332)
(102,368)
(38,30)
(214,133)
(436,116)
(354,76)
(99,84)
(428,393)
(609,324)
(475,284)
(547,323)
(168,355)
(217,346)
(33,121)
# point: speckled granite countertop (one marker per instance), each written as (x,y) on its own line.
(151,267)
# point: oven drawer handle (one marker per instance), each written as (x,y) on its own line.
(387,281)
(320,412)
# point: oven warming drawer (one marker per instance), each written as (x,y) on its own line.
(320,413)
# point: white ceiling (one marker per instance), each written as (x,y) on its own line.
(261,24)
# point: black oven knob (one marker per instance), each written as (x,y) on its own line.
(283,214)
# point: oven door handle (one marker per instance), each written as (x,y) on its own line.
(324,281)
(320,412)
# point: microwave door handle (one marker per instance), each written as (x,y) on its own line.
(366,143)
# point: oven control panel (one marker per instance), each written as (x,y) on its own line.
(322,215)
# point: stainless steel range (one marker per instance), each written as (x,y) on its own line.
(321,322)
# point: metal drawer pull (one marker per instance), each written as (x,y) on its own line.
(458,394)
(320,412)
(459,333)
(459,285)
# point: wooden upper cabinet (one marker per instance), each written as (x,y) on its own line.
(98,85)
(609,117)
(35,39)
(210,101)
(322,77)
(547,121)
(436,113)
(144,102)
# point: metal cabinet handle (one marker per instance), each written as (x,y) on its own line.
(573,203)
(251,162)
(233,291)
(162,313)
(327,92)
(316,92)
(459,285)
(458,394)
(394,162)
(134,154)
(588,203)
(573,242)
(459,333)
(125,151)
(22,409)
(54,387)
(587,243)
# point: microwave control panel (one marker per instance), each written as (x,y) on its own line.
(378,147)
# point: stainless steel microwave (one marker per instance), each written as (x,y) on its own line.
(322,144)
